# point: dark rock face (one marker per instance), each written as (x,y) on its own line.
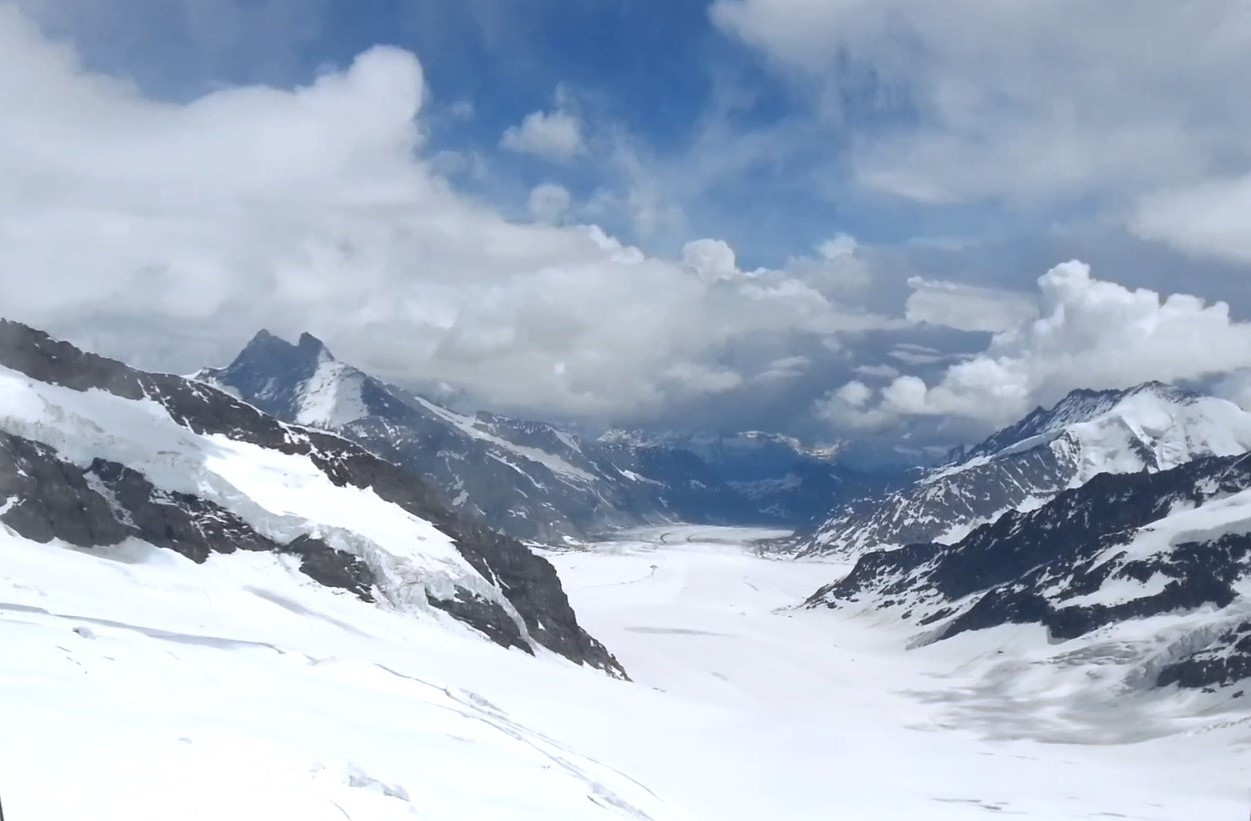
(530,480)
(486,615)
(1225,661)
(331,567)
(177,521)
(51,499)
(1029,568)
(107,503)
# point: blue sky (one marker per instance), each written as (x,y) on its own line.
(809,187)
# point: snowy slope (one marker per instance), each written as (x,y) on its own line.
(1152,427)
(95,454)
(529,479)
(139,685)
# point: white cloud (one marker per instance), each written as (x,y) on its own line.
(451,163)
(877,371)
(785,368)
(712,259)
(1090,334)
(556,135)
(855,393)
(911,354)
(841,245)
(848,407)
(1211,219)
(1032,100)
(967,307)
(549,202)
(462,110)
(837,269)
(175,231)
(1236,387)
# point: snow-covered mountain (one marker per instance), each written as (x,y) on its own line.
(94,454)
(529,479)
(1152,427)
(1168,550)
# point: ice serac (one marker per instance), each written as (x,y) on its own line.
(529,479)
(94,453)
(1172,545)
(1152,427)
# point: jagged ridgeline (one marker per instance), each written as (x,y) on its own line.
(533,480)
(1151,427)
(94,453)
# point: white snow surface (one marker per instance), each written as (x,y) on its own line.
(136,685)
(1148,429)
(331,397)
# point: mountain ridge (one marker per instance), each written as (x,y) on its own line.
(1150,427)
(1172,545)
(95,452)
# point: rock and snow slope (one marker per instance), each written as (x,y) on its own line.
(1171,550)
(1152,427)
(95,454)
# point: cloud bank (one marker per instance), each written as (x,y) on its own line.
(1024,100)
(1089,334)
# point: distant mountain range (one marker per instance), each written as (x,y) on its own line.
(98,456)
(1152,427)
(533,480)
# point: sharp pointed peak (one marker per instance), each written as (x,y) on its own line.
(308,341)
(267,347)
(264,338)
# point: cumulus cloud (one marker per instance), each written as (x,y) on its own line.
(170,232)
(836,269)
(549,202)
(712,259)
(1015,100)
(848,407)
(967,307)
(854,393)
(555,135)
(1089,334)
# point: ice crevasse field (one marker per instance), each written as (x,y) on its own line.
(152,688)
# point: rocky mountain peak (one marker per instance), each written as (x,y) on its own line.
(310,344)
